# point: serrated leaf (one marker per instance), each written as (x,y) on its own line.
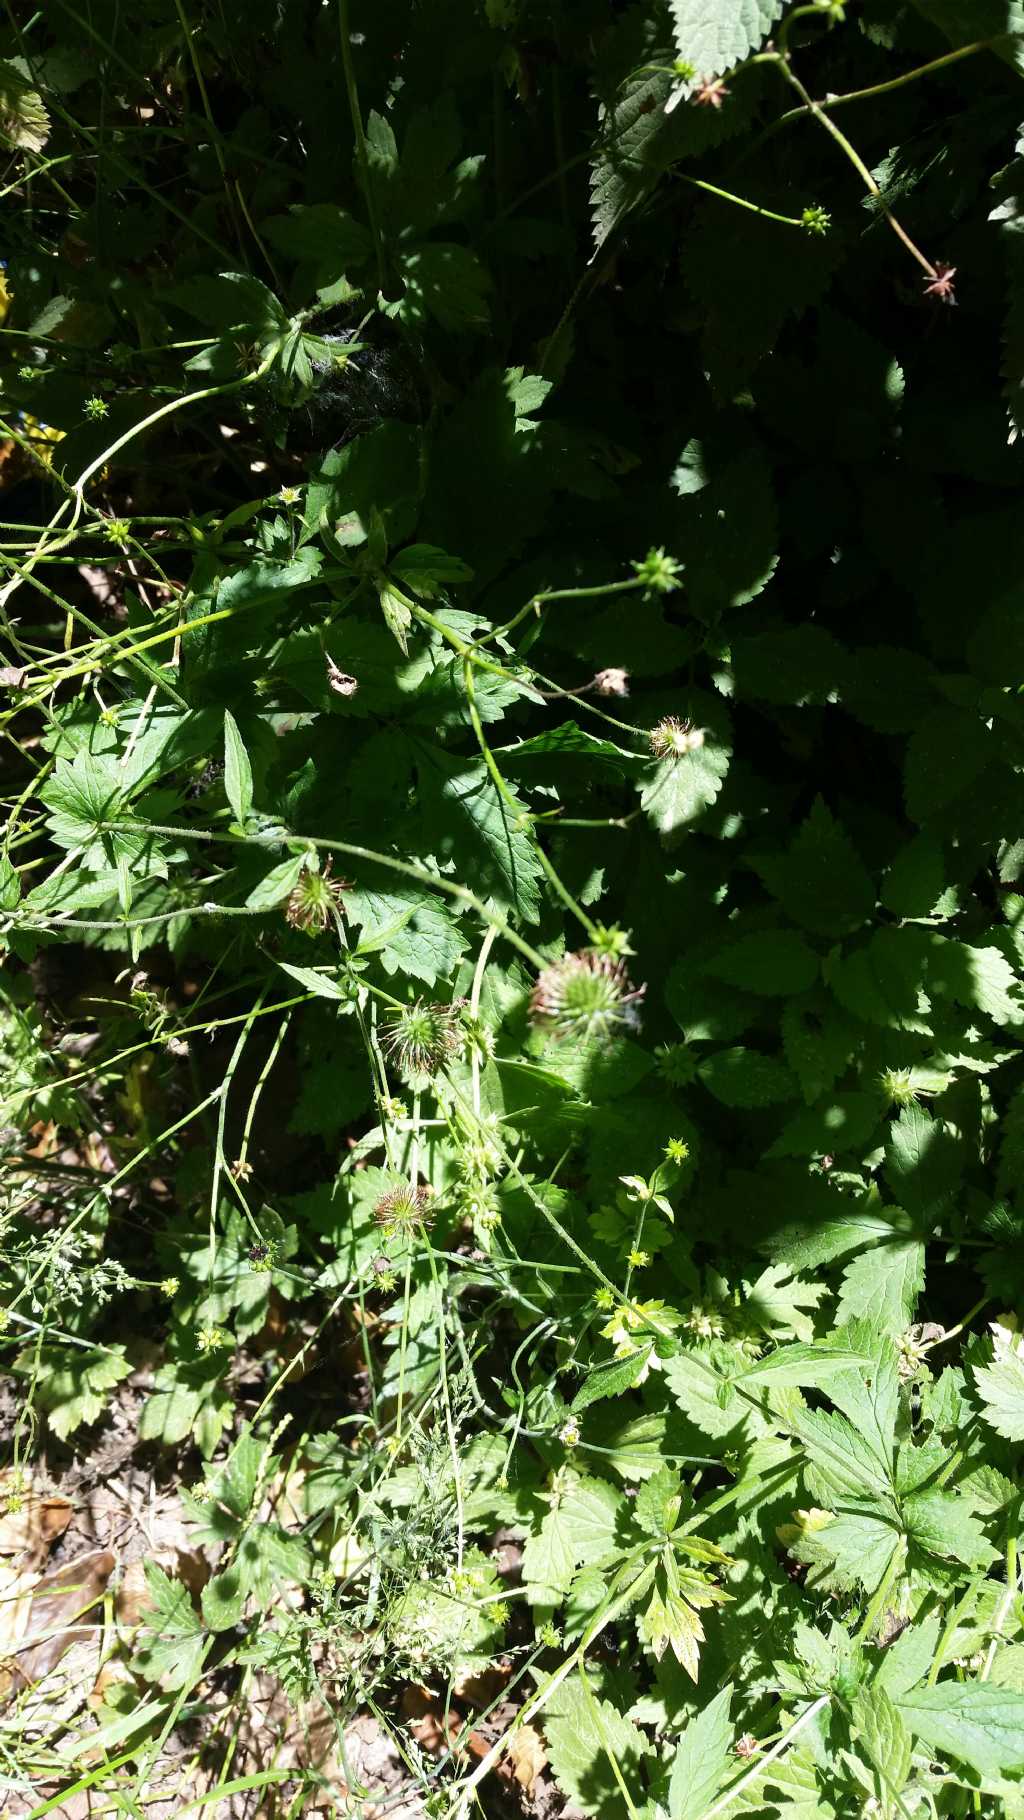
(169,1641)
(821,881)
(276,884)
(801,1365)
(923,1162)
(976,1723)
(846,1463)
(702,1758)
(580,1730)
(942,1523)
(779,1303)
(223,1599)
(777,963)
(466,824)
(885,1738)
(610,1379)
(680,789)
(72,1385)
(745,1077)
(882,1286)
(712,35)
(1001,1389)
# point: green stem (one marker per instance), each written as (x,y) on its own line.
(360,137)
(895,82)
(850,152)
(741,202)
(461,893)
(523,820)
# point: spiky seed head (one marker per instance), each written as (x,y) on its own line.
(584,995)
(674,738)
(658,572)
(897,1085)
(405,1207)
(422,1037)
(312,902)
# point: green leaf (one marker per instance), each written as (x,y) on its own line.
(715,34)
(10,885)
(237,770)
(680,789)
(425,569)
(610,1379)
(976,1723)
(882,1286)
(702,1760)
(581,1730)
(745,1077)
(843,1122)
(821,882)
(445,281)
(907,1661)
(943,1524)
(778,962)
(169,1641)
(549,1560)
(223,1599)
(843,1460)
(276,884)
(321,984)
(885,1738)
(1001,1389)
(802,1365)
(72,1385)
(471,829)
(923,1162)
(658,1503)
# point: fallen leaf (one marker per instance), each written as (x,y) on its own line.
(527,1756)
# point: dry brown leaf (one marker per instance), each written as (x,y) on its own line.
(45,1133)
(527,1756)
(433,1729)
(61,1611)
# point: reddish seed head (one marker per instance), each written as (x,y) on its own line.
(941,285)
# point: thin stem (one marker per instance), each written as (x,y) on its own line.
(895,82)
(851,152)
(741,202)
(360,137)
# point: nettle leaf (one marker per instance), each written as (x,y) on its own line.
(821,881)
(1001,1386)
(728,529)
(779,962)
(582,1732)
(702,1760)
(470,828)
(976,1723)
(680,789)
(716,35)
(882,1285)
(745,1077)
